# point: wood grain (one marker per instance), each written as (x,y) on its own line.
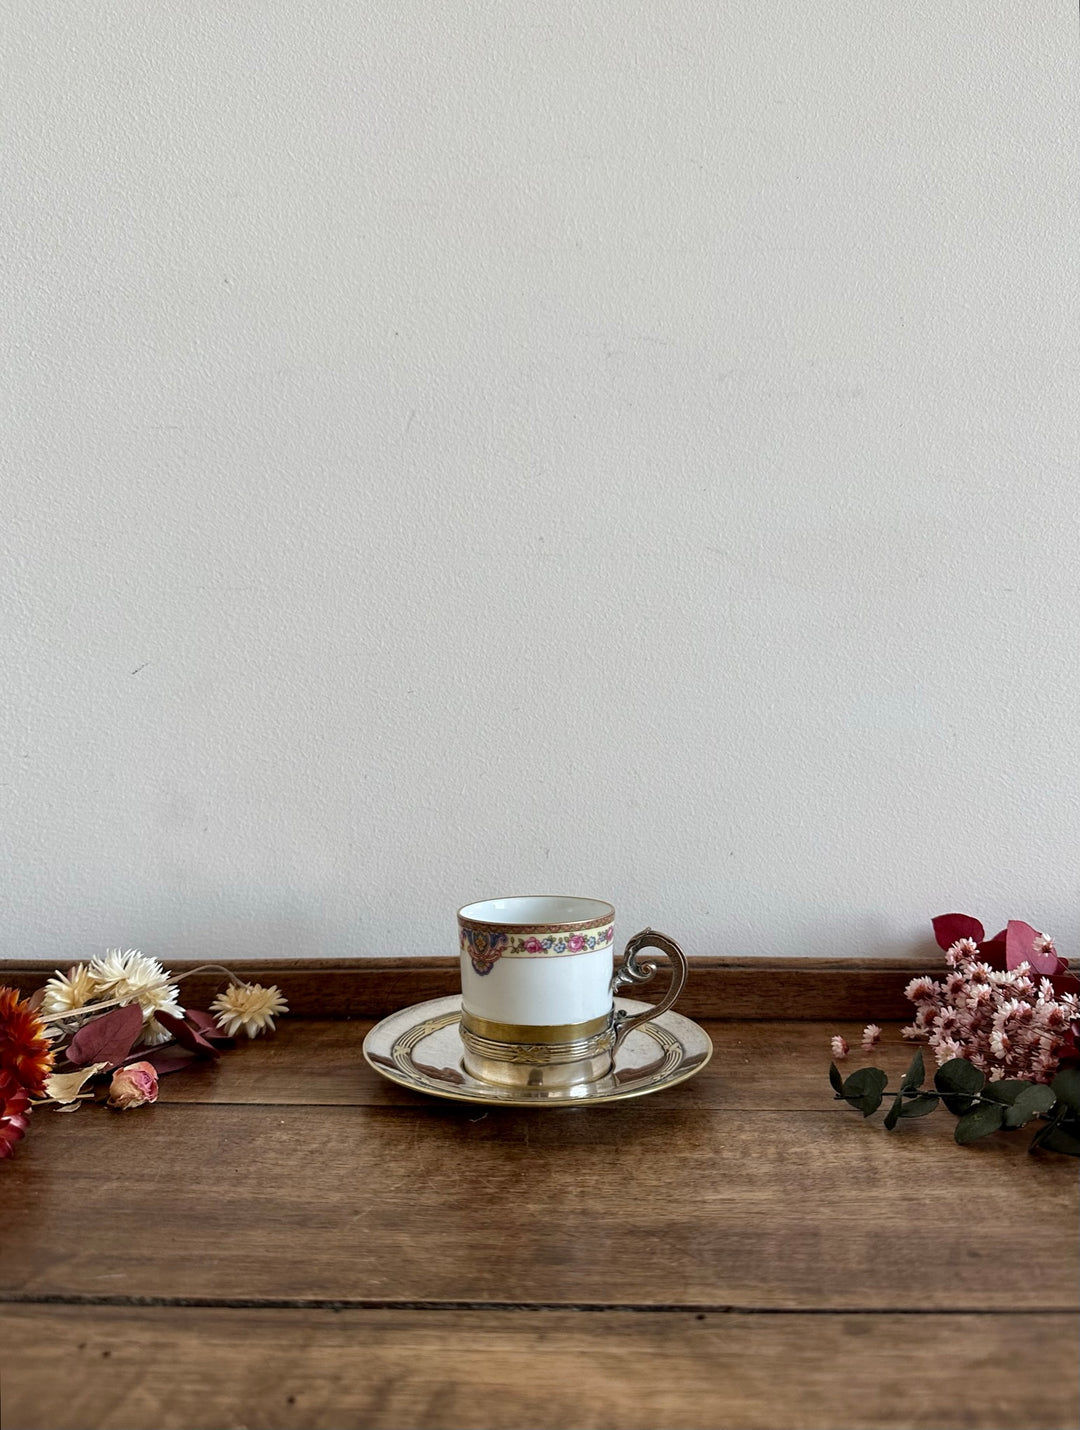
(197,1369)
(289,1240)
(719,987)
(633,1204)
(755,1066)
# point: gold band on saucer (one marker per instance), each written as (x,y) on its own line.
(533,1032)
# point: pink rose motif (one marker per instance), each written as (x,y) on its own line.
(133,1086)
(576,942)
(534,945)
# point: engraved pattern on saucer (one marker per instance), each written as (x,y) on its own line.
(420,1048)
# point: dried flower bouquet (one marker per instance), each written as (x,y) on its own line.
(108,1029)
(1003,1027)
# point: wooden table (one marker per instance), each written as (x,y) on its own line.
(289,1240)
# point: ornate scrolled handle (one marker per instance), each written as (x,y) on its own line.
(633,970)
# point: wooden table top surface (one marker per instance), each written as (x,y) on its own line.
(288,1240)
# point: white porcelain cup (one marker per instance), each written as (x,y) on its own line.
(537,986)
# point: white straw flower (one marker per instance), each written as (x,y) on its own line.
(132,977)
(249,1006)
(153,1033)
(65,992)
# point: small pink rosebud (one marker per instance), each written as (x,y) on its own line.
(133,1086)
(839,1047)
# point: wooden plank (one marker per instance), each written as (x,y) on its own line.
(719,987)
(629,1204)
(197,1369)
(755,1066)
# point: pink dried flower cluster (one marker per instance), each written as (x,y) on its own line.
(841,1047)
(1007,1022)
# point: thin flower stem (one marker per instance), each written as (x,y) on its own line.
(932,1092)
(211,968)
(79,1097)
(80,1012)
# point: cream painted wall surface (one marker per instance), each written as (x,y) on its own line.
(475,448)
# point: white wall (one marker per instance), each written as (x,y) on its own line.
(489,446)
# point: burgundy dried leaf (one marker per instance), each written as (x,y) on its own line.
(167,1060)
(992,950)
(205,1024)
(948,928)
(186,1034)
(1020,944)
(107,1039)
(1049,965)
(1020,947)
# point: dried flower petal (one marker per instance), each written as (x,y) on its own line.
(65,1087)
(153,1034)
(249,1006)
(840,1048)
(871,1036)
(132,977)
(24,1049)
(65,992)
(133,1086)
(14,1112)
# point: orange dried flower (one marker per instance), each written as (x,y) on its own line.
(24,1049)
(14,1112)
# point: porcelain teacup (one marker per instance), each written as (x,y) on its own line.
(538,985)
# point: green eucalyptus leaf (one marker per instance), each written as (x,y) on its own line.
(1041,1134)
(1007,1090)
(864,1089)
(958,1075)
(893,1115)
(957,1081)
(1032,1102)
(836,1080)
(1066,1087)
(915,1074)
(958,1105)
(919,1106)
(987,1117)
(1060,1139)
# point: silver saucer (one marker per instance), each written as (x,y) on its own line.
(420,1047)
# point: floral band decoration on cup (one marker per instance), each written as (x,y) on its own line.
(485,947)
